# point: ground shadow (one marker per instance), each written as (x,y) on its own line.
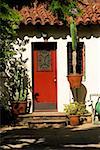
(50,139)
(7,117)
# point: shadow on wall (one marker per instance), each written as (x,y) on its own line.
(53,31)
(79,94)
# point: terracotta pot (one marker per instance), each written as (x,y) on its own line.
(88,118)
(75,80)
(19,107)
(74,120)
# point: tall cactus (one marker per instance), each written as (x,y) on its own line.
(73,32)
(63,9)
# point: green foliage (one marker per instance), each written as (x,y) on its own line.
(56,8)
(9,20)
(64,9)
(75,108)
(3,90)
(18,83)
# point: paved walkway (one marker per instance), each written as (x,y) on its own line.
(83,137)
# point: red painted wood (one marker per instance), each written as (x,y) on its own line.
(45,83)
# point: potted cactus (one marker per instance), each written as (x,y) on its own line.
(64,9)
(74,78)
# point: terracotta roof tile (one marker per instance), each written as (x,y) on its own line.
(37,15)
(41,15)
(91,12)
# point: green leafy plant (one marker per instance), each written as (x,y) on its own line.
(9,20)
(63,9)
(75,108)
(9,23)
(18,80)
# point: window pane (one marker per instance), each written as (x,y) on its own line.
(44,60)
(80,67)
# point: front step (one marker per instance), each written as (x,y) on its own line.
(37,123)
(49,115)
(41,118)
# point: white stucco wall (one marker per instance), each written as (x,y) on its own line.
(92,81)
(63,89)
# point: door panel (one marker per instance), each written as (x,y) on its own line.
(45,85)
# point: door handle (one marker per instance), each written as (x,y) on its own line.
(55,80)
(36,96)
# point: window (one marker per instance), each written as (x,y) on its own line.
(44,60)
(80,67)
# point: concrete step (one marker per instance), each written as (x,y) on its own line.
(43,117)
(49,115)
(41,114)
(35,123)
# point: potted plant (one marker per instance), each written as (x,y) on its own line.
(74,77)
(65,9)
(74,110)
(18,84)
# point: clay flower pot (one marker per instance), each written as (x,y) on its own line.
(74,120)
(75,80)
(19,107)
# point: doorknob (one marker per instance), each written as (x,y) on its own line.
(55,80)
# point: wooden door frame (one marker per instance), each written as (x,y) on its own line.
(52,45)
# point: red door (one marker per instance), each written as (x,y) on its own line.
(44,76)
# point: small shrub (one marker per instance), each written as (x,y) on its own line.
(75,108)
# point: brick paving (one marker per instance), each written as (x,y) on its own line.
(83,137)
